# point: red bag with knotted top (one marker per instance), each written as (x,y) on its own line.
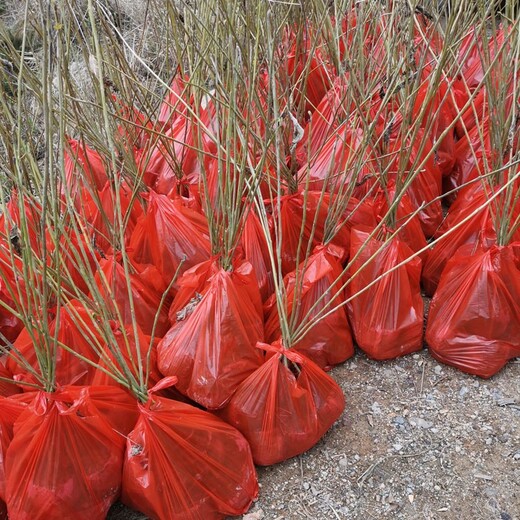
(478,230)
(285,406)
(211,347)
(329,342)
(64,461)
(474,318)
(185,463)
(147,288)
(386,319)
(170,233)
(75,330)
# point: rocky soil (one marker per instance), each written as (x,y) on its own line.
(418,440)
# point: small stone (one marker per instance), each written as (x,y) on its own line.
(421,423)
(399,420)
(306,486)
(343,463)
(376,408)
(256,515)
(463,391)
(438,370)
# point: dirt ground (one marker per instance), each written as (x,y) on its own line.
(418,440)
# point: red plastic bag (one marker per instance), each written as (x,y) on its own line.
(329,342)
(285,406)
(170,233)
(386,319)
(411,233)
(147,288)
(7,388)
(127,344)
(10,325)
(426,187)
(308,76)
(302,211)
(478,230)
(342,155)
(103,220)
(254,244)
(474,319)
(10,410)
(75,328)
(63,462)
(83,167)
(175,101)
(211,347)
(324,121)
(184,463)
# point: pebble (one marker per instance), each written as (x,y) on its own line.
(421,423)
(256,515)
(463,391)
(438,370)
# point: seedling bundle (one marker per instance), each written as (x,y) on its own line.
(179,276)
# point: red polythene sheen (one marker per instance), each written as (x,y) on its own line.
(477,230)
(426,187)
(74,329)
(170,234)
(175,102)
(176,154)
(184,463)
(10,409)
(329,342)
(437,118)
(308,211)
(474,318)
(473,152)
(147,288)
(63,462)
(324,121)
(254,244)
(191,283)
(285,406)
(7,388)
(12,225)
(103,219)
(84,168)
(308,75)
(386,319)
(135,129)
(338,160)
(211,349)
(10,325)
(411,231)
(127,358)
(78,259)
